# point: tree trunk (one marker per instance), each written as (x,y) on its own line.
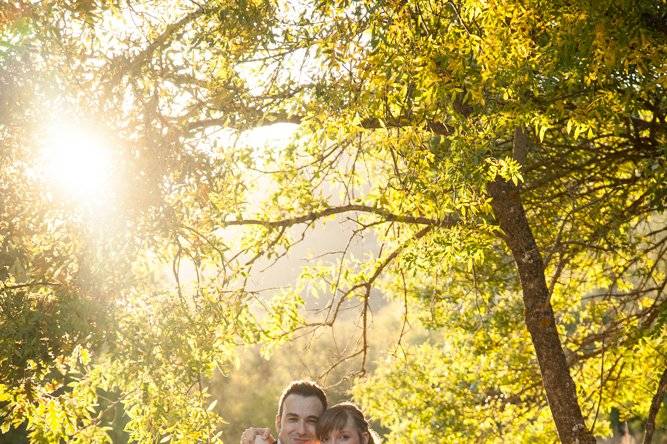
(655,406)
(558,384)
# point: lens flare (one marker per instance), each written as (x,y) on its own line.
(77,161)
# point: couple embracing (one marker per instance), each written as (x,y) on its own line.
(303,418)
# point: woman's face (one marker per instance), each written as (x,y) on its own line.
(347,435)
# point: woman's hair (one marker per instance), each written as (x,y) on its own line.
(336,417)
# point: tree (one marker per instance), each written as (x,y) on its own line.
(509,158)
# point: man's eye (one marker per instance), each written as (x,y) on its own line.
(312,421)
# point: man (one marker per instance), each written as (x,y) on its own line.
(300,406)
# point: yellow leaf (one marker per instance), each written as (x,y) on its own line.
(85,356)
(52,415)
(212,405)
(543,131)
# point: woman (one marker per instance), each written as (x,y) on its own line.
(344,423)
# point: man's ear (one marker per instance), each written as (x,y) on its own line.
(278,424)
(364,437)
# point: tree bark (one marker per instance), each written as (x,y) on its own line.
(655,406)
(558,384)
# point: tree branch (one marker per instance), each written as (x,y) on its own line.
(264,119)
(30,284)
(388,216)
(161,41)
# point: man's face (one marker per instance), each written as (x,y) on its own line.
(299,418)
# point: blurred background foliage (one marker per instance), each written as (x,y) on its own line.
(304,189)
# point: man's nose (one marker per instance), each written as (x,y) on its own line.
(302,427)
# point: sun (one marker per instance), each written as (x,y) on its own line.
(76,161)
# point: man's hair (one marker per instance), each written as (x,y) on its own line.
(302,388)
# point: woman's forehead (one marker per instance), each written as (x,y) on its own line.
(349,426)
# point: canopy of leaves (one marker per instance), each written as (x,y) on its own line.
(404,112)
